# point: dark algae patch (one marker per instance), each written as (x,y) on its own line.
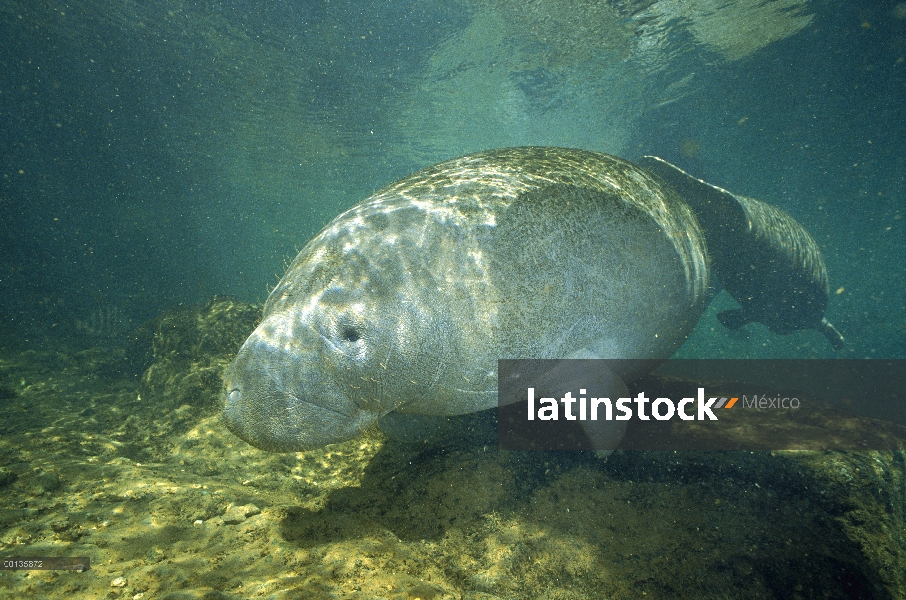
(138,473)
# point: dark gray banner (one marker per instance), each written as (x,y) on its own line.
(702,404)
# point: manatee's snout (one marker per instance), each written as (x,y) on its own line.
(232,401)
(253,402)
(277,397)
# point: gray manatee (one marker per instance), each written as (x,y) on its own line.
(403,304)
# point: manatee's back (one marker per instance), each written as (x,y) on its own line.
(558,253)
(594,258)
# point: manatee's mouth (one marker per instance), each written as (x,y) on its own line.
(279,421)
(233,407)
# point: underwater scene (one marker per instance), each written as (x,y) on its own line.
(259,262)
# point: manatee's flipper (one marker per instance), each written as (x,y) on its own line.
(760,254)
(732,319)
(831,333)
(603,435)
(553,378)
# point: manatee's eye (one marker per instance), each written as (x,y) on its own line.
(350,334)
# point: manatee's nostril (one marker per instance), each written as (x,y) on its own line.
(234,396)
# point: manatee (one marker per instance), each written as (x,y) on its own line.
(403,304)
(765,259)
